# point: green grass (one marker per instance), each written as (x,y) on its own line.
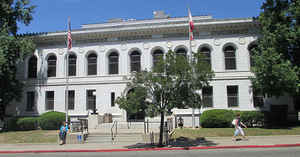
(36,136)
(226,132)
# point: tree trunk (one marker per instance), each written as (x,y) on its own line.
(161,129)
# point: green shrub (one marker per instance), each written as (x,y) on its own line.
(252,118)
(217,118)
(51,120)
(11,124)
(27,123)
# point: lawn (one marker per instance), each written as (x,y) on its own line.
(36,136)
(225,132)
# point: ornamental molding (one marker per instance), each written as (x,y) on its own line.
(242,40)
(169,44)
(146,45)
(102,48)
(217,42)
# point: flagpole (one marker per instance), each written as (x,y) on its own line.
(69,46)
(191,59)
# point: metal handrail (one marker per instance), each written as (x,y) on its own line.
(114,134)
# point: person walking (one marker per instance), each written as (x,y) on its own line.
(238,127)
(63,133)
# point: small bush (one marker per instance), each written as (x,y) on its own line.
(11,124)
(217,118)
(27,123)
(252,118)
(51,120)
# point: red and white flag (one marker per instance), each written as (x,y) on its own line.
(69,35)
(191,25)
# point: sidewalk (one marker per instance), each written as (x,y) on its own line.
(205,143)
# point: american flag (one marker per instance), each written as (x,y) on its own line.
(69,35)
(191,25)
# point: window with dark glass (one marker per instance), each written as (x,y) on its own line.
(51,66)
(251,54)
(49,100)
(258,98)
(113,60)
(157,54)
(207,96)
(91,100)
(232,96)
(230,61)
(92,64)
(32,67)
(205,51)
(112,99)
(135,61)
(72,65)
(71,99)
(181,52)
(30,101)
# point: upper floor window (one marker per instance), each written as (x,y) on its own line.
(92,64)
(205,51)
(91,100)
(112,99)
(181,52)
(251,49)
(230,61)
(72,64)
(30,101)
(32,67)
(258,98)
(113,63)
(207,96)
(49,100)
(135,61)
(233,96)
(51,66)
(71,99)
(157,55)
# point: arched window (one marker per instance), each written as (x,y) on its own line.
(135,61)
(72,64)
(92,64)
(51,66)
(113,63)
(181,52)
(206,55)
(32,67)
(157,54)
(251,49)
(230,61)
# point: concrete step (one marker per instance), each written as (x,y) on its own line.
(106,138)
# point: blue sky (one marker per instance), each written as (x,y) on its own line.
(52,15)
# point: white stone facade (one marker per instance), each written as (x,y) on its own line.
(144,36)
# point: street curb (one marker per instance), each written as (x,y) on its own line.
(150,149)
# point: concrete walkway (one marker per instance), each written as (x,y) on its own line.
(204,143)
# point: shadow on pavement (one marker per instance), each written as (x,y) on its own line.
(178,142)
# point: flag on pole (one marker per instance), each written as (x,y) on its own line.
(191,25)
(69,35)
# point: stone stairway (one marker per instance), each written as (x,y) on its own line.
(126,133)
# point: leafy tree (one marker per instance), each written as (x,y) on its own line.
(277,56)
(13,48)
(172,83)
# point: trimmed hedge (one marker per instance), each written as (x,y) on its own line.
(217,118)
(27,123)
(51,120)
(11,124)
(252,118)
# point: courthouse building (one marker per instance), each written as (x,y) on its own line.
(104,55)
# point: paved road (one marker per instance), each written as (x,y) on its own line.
(266,152)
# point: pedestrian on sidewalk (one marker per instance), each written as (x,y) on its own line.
(63,133)
(238,127)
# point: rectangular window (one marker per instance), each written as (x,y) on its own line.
(71,99)
(258,98)
(72,66)
(91,99)
(49,100)
(113,65)
(207,96)
(30,101)
(112,99)
(232,96)
(230,64)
